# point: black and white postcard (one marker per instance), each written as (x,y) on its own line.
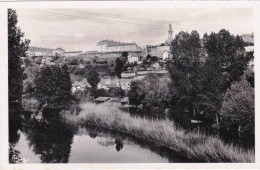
(98,84)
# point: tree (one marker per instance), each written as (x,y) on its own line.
(157,93)
(53,87)
(238,107)
(250,76)
(136,93)
(225,63)
(185,72)
(38,60)
(124,57)
(74,62)
(119,69)
(17,48)
(93,78)
(148,57)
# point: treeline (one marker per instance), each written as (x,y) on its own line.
(209,81)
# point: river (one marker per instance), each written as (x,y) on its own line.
(47,140)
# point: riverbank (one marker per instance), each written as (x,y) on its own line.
(192,145)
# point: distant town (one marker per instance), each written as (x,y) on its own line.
(106,54)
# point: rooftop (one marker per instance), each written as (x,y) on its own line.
(102,99)
(110,85)
(38,49)
(60,49)
(124,100)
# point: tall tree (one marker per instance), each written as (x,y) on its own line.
(185,72)
(225,63)
(17,48)
(93,78)
(53,87)
(119,69)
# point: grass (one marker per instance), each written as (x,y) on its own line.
(191,145)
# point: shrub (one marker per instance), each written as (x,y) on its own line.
(238,106)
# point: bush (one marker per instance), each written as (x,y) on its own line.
(74,62)
(238,109)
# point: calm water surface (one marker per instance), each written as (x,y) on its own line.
(34,140)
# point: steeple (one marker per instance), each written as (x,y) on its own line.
(170,33)
(169,40)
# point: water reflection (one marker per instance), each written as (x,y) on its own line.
(122,139)
(14,135)
(49,137)
(119,144)
(43,137)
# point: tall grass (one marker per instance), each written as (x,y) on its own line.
(192,145)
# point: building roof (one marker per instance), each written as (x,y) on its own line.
(125,44)
(60,49)
(113,43)
(125,80)
(69,52)
(39,49)
(81,84)
(110,85)
(248,37)
(125,99)
(102,99)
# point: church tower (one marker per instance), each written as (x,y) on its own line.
(170,33)
(169,40)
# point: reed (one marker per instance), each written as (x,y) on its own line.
(195,146)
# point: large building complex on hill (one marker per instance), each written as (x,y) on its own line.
(39,51)
(117,46)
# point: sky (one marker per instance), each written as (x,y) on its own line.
(82,29)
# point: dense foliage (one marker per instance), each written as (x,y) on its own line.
(152,92)
(53,87)
(93,78)
(185,72)
(238,107)
(17,48)
(118,67)
(202,70)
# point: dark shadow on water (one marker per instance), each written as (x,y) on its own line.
(49,137)
(15,111)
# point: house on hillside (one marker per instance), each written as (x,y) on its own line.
(107,82)
(132,59)
(249,49)
(58,51)
(125,84)
(128,74)
(166,56)
(124,101)
(79,86)
(81,66)
(155,66)
(116,46)
(108,86)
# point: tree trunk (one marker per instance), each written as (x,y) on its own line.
(119,83)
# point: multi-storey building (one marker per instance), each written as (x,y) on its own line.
(58,51)
(116,46)
(38,51)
